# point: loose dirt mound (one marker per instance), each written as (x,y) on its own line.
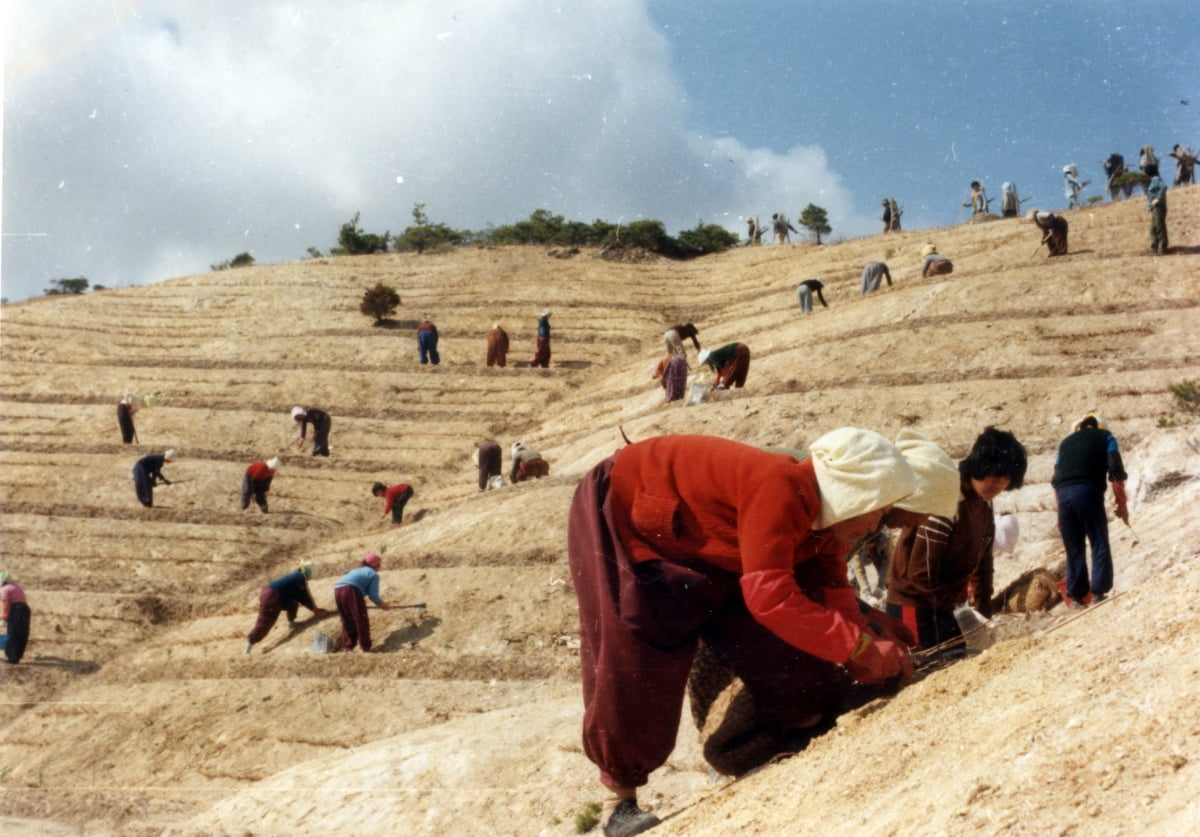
(135,711)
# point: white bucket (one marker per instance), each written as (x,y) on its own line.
(697,394)
(496,482)
(321,644)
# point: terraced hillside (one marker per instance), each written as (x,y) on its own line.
(135,711)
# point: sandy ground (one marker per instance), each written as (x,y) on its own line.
(136,713)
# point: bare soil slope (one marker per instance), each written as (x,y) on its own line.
(135,711)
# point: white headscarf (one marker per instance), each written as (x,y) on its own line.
(938,480)
(858,471)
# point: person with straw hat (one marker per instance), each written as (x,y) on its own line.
(680,537)
(284,594)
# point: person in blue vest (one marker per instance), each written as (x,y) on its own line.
(350,594)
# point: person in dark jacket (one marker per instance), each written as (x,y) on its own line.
(946,561)
(284,594)
(14,616)
(541,357)
(674,336)
(488,458)
(805,291)
(321,423)
(126,407)
(1085,458)
(1054,231)
(147,473)
(256,482)
(427,340)
(731,362)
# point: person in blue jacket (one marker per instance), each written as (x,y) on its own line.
(350,595)
(285,593)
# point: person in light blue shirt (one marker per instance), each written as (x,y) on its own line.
(350,595)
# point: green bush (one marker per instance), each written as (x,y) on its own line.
(379,302)
(422,235)
(240,260)
(1187,396)
(77,285)
(705,239)
(816,221)
(588,818)
(352,241)
(651,235)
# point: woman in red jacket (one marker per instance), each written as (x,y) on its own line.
(682,537)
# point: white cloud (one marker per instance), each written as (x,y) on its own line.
(176,126)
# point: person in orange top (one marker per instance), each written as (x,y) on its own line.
(679,538)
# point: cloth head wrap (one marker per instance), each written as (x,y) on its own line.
(858,471)
(938,480)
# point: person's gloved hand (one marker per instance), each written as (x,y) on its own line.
(1122,506)
(878,661)
(889,627)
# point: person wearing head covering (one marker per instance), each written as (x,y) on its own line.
(805,291)
(680,537)
(320,421)
(256,482)
(488,459)
(541,357)
(1156,203)
(731,362)
(527,464)
(126,407)
(147,473)
(1010,202)
(1114,167)
(497,347)
(427,340)
(395,498)
(1071,185)
(947,560)
(934,263)
(14,619)
(1054,231)
(754,232)
(937,494)
(872,277)
(284,594)
(674,336)
(350,594)
(1085,459)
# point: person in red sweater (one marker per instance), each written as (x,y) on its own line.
(256,482)
(395,497)
(679,538)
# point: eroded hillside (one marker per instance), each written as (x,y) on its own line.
(135,710)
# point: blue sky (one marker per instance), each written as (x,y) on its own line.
(144,140)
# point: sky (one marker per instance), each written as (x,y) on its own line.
(147,140)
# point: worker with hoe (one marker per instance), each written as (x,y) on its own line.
(1085,458)
(321,423)
(147,473)
(350,594)
(284,594)
(679,538)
